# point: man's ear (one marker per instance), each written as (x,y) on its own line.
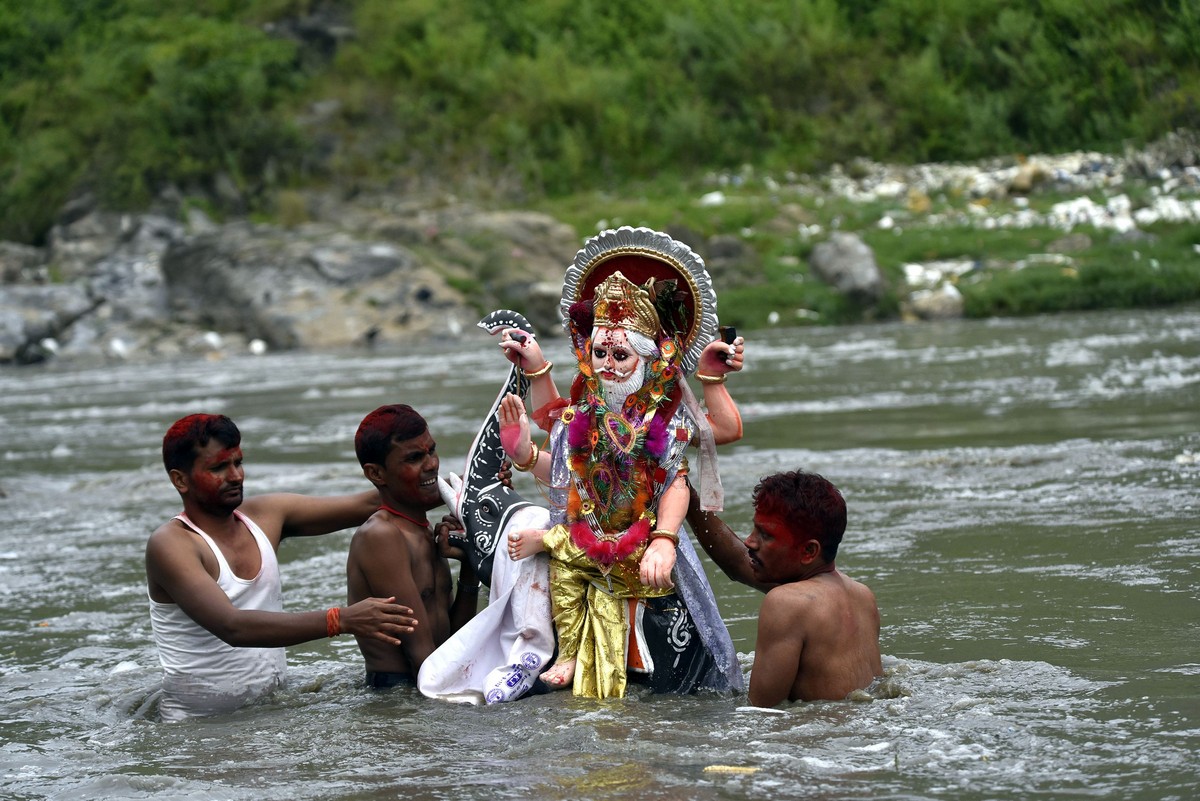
(179,480)
(810,551)
(374,474)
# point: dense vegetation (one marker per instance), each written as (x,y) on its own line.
(616,109)
(122,98)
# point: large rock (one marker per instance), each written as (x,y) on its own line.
(847,263)
(22,264)
(130,286)
(75,245)
(34,318)
(512,257)
(311,288)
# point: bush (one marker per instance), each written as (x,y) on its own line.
(526,100)
(126,104)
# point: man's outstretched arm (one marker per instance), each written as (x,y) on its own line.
(722,544)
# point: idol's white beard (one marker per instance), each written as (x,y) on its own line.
(615,392)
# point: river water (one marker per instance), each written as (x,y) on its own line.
(1024,499)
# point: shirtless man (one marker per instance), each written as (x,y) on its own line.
(818,630)
(396,553)
(216,606)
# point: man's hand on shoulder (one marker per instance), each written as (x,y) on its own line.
(380,618)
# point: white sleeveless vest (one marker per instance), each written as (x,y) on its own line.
(203,675)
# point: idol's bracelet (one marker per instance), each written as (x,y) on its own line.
(713,379)
(533,460)
(662,532)
(545,368)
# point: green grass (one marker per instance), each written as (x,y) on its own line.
(1161,271)
(1160,268)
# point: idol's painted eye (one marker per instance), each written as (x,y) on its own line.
(599,353)
(620,355)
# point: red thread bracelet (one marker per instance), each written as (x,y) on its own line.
(333,621)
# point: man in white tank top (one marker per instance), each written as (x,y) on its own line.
(213,579)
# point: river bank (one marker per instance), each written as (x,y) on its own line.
(863,241)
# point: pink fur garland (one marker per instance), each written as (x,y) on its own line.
(578,431)
(608,552)
(656,437)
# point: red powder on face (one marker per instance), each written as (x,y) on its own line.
(615,344)
(203,475)
(776,526)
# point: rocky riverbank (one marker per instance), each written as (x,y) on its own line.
(154,285)
(170,282)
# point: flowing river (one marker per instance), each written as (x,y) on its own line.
(1024,499)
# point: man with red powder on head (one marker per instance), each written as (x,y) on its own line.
(396,552)
(216,606)
(818,629)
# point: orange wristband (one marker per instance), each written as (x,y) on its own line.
(333,621)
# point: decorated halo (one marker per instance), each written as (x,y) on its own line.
(642,253)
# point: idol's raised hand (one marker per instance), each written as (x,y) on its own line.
(514,430)
(719,357)
(522,349)
(717,361)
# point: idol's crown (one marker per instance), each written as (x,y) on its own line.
(620,303)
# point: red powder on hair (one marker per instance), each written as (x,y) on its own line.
(185,427)
(395,422)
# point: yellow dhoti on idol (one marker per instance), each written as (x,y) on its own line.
(591,613)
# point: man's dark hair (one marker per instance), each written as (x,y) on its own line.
(809,503)
(383,428)
(188,435)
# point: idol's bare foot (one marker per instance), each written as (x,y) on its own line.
(525,542)
(561,675)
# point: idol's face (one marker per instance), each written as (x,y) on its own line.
(614,361)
